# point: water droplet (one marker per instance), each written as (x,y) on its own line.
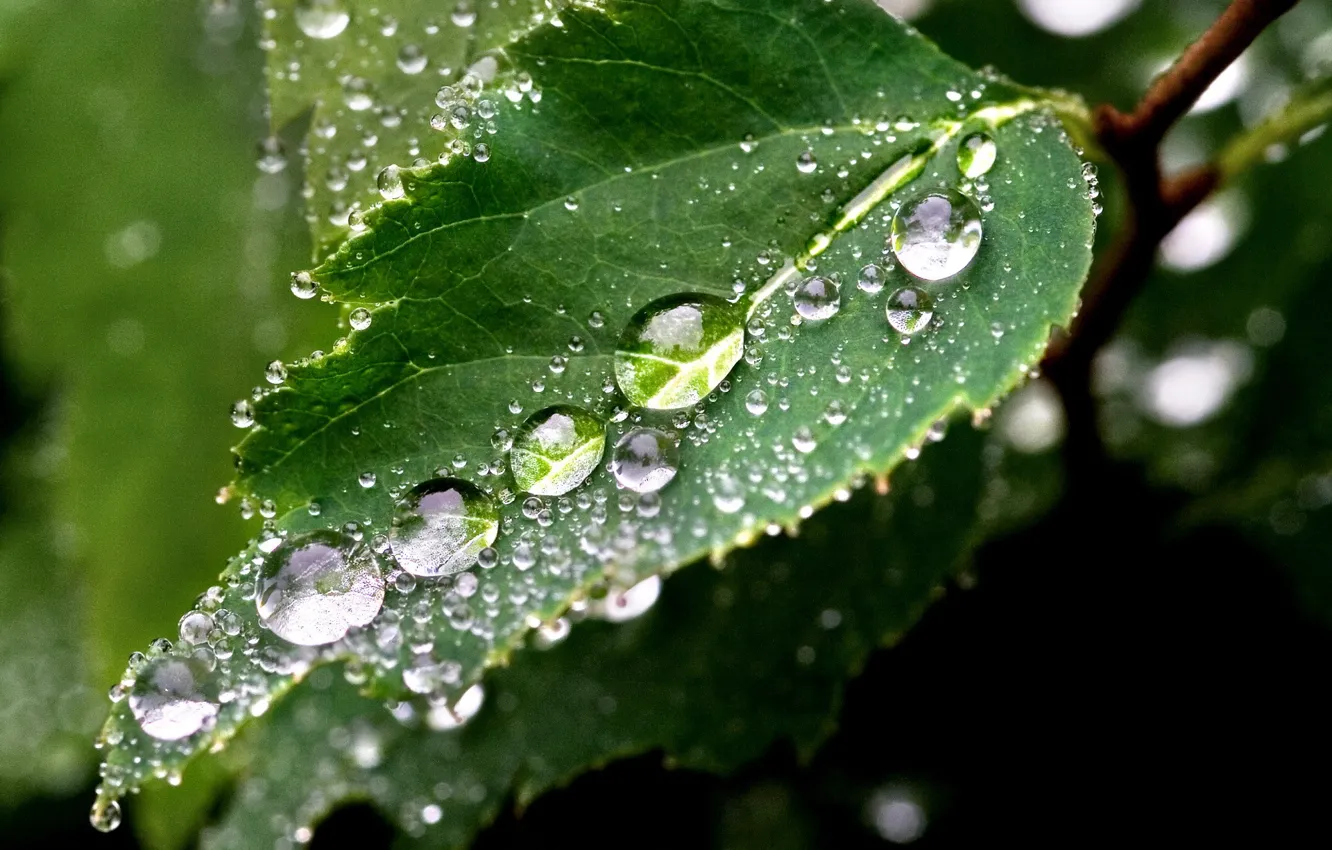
(818,298)
(412,59)
(321,18)
(367,479)
(556,449)
(356,93)
(105,818)
(631,603)
(359,319)
(315,587)
(806,163)
(870,279)
(481,153)
(756,402)
(242,414)
(194,627)
(937,236)
(677,350)
(835,413)
(441,526)
(645,460)
(389,182)
(976,155)
(173,698)
(272,155)
(803,440)
(728,494)
(303,286)
(910,310)
(463,14)
(275,372)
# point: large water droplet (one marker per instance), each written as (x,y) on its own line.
(321,18)
(910,310)
(303,286)
(412,59)
(976,155)
(556,449)
(806,163)
(441,527)
(242,413)
(312,589)
(105,818)
(818,298)
(677,350)
(173,698)
(937,236)
(645,460)
(389,183)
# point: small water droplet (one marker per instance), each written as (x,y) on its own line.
(728,494)
(818,298)
(359,319)
(242,414)
(803,440)
(756,402)
(272,156)
(806,162)
(870,279)
(645,460)
(275,372)
(463,15)
(321,19)
(976,155)
(910,310)
(356,93)
(411,59)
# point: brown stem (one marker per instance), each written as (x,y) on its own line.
(1155,206)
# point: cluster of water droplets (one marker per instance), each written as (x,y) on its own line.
(409,99)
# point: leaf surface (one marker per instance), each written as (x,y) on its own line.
(725,664)
(675,147)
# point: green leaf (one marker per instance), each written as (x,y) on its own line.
(675,148)
(723,665)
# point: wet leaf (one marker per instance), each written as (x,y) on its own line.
(659,149)
(725,664)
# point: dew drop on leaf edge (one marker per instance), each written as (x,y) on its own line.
(315,587)
(173,697)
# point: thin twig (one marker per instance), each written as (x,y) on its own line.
(1155,205)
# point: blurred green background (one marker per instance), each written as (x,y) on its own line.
(143,265)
